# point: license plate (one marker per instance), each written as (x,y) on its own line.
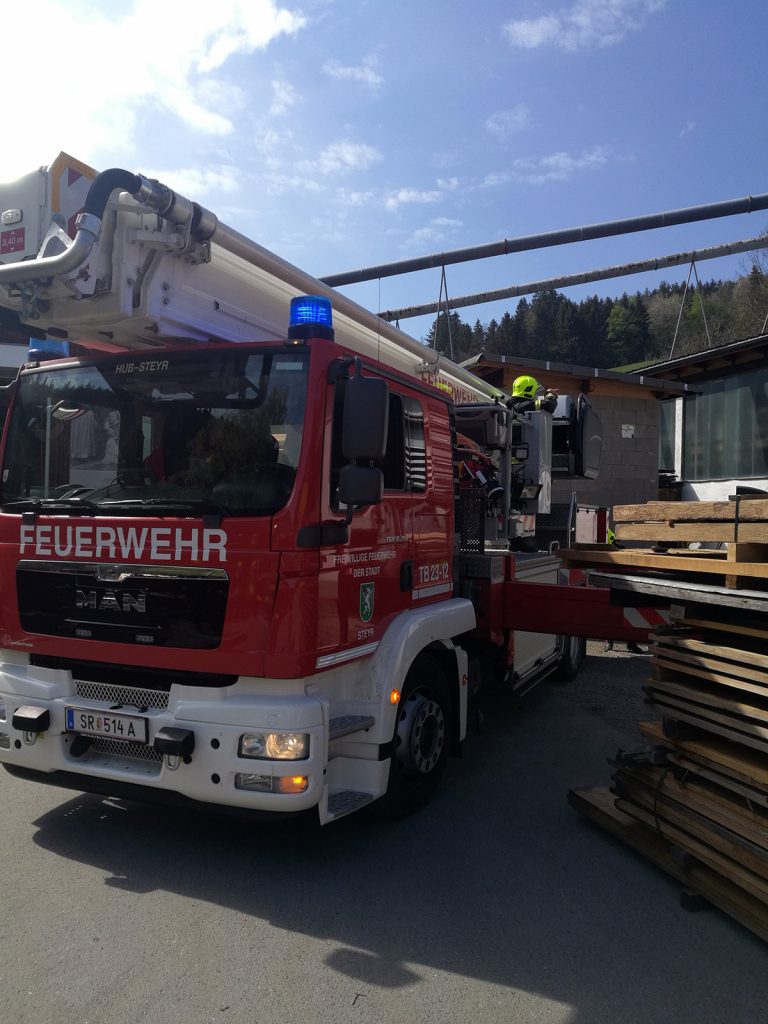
(131,728)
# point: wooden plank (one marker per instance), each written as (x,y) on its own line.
(727,627)
(676,560)
(741,765)
(722,672)
(739,730)
(675,511)
(711,723)
(745,829)
(700,848)
(671,532)
(710,700)
(687,664)
(597,805)
(667,815)
(754,510)
(754,796)
(707,649)
(738,554)
(731,814)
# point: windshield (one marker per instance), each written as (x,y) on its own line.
(211,431)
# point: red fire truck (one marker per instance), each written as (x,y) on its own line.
(246,558)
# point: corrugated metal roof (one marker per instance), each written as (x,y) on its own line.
(701,359)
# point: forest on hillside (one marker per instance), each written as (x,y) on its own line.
(620,332)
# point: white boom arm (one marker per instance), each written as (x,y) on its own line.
(147,267)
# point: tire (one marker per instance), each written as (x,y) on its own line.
(574,651)
(421,740)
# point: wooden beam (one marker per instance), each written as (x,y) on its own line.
(598,806)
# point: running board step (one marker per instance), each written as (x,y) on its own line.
(345,801)
(346,724)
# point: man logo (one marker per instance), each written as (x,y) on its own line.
(366,602)
(109,601)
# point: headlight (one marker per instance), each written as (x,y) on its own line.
(2,711)
(275,746)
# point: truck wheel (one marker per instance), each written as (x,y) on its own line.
(574,651)
(421,740)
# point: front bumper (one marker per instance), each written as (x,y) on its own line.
(216,718)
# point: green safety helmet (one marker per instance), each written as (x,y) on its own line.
(525,387)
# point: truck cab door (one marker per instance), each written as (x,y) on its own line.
(365,581)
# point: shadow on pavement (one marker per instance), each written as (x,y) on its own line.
(498,879)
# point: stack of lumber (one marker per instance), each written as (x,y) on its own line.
(739,526)
(695,800)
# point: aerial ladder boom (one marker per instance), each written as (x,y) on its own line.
(148,267)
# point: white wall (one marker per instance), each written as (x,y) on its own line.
(719,490)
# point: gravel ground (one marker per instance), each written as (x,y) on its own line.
(610,686)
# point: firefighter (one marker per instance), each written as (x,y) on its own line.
(529,396)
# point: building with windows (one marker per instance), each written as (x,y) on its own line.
(714,436)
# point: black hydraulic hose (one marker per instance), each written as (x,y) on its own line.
(104,185)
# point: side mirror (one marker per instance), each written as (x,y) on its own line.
(366,418)
(360,485)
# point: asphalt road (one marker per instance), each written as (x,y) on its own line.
(497,903)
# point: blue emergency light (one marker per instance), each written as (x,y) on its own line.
(311,316)
(46,348)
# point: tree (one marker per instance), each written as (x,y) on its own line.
(451,336)
(627,332)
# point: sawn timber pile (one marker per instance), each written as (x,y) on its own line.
(694,800)
(739,525)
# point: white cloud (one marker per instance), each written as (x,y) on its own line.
(365,73)
(284,96)
(130,69)
(558,166)
(588,23)
(353,197)
(340,157)
(687,129)
(194,182)
(402,196)
(505,123)
(439,229)
(495,179)
(278,184)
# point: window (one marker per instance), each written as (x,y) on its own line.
(405,459)
(216,426)
(726,428)
(667,435)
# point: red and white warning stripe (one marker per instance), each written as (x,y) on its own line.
(573,577)
(647,618)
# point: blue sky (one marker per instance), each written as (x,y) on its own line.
(347,133)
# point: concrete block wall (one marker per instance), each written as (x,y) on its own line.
(629,466)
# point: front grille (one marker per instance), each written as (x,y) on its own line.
(117,749)
(121,695)
(162,610)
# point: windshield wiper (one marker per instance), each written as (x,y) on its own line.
(71,505)
(202,506)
